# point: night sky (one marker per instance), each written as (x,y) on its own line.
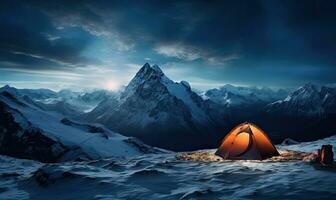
(102,44)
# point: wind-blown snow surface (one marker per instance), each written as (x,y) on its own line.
(161,176)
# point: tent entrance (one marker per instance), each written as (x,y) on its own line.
(240,144)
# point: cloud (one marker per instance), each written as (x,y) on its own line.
(179,51)
(191,53)
(52,37)
(211,31)
(170,29)
(255,28)
(44,58)
(29,38)
(222,60)
(243,36)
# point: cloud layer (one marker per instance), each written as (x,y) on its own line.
(213,40)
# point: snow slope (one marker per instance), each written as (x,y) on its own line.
(312,146)
(182,90)
(162,176)
(50,125)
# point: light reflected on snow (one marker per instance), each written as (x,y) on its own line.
(162,176)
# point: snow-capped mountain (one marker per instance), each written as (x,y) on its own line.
(308,113)
(159,111)
(308,100)
(230,96)
(26,131)
(85,97)
(84,101)
(37,94)
(66,101)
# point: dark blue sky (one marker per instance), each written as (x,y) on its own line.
(208,43)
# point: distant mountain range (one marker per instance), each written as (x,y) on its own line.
(308,100)
(65,101)
(160,112)
(231,96)
(307,113)
(171,115)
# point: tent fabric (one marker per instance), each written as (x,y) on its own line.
(246,142)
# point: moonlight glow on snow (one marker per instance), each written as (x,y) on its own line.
(189,99)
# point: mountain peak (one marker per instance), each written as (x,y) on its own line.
(6,87)
(306,88)
(310,86)
(145,67)
(148,72)
(148,69)
(9,89)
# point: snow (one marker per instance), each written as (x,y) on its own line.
(230,95)
(184,94)
(312,146)
(152,78)
(80,101)
(162,176)
(307,100)
(92,144)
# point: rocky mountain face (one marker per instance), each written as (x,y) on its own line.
(242,104)
(37,94)
(161,112)
(307,113)
(27,131)
(20,139)
(308,100)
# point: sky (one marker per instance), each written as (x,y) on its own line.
(102,44)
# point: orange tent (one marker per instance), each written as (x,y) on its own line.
(246,142)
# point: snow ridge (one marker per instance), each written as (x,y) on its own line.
(307,100)
(94,141)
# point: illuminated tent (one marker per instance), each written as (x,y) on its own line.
(246,142)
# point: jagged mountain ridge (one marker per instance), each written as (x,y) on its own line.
(231,96)
(66,101)
(308,100)
(160,111)
(37,94)
(156,109)
(26,131)
(308,113)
